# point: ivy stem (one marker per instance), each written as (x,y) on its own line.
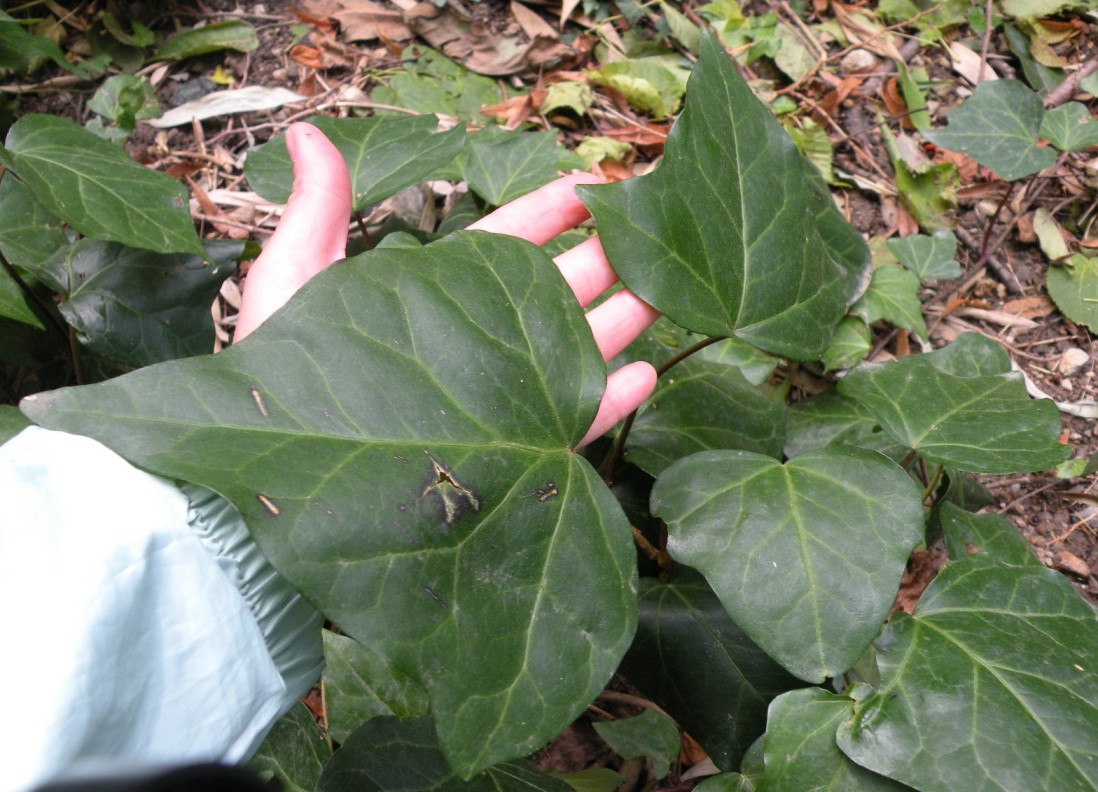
(362,229)
(938,470)
(606,468)
(905,463)
(74,353)
(324,706)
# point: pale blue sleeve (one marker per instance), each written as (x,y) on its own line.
(142,624)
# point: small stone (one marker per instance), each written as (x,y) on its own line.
(1069,562)
(1072,360)
(857,60)
(1065,383)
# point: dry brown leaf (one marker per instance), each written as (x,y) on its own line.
(860,32)
(531,22)
(922,568)
(1024,224)
(481,50)
(513,111)
(1071,563)
(646,135)
(890,93)
(611,171)
(566,9)
(317,13)
(1033,307)
(363,20)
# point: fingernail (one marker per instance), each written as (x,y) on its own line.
(291,142)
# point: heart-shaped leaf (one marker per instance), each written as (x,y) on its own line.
(723,237)
(358,685)
(800,749)
(231,34)
(384,155)
(984,423)
(807,556)
(991,684)
(893,295)
(998,127)
(137,307)
(704,406)
(398,439)
(93,186)
(1070,127)
(387,754)
(930,256)
(694,661)
(1073,286)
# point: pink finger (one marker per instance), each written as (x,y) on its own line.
(626,390)
(311,234)
(618,321)
(539,216)
(587,271)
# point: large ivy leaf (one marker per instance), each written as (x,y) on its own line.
(429,82)
(29,234)
(694,661)
(723,237)
(137,307)
(390,755)
(704,406)
(800,749)
(358,685)
(998,127)
(384,155)
(1073,286)
(398,439)
(807,556)
(990,685)
(93,186)
(983,423)
(294,752)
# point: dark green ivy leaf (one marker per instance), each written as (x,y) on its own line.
(928,256)
(137,307)
(801,754)
(500,168)
(12,422)
(359,685)
(294,752)
(807,556)
(398,439)
(1070,127)
(998,127)
(29,234)
(704,406)
(723,237)
(983,423)
(966,533)
(693,660)
(92,185)
(390,755)
(384,155)
(990,685)
(650,734)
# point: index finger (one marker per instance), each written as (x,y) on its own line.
(542,214)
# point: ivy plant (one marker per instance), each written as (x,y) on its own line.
(399,439)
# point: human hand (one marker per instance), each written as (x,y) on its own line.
(313,234)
